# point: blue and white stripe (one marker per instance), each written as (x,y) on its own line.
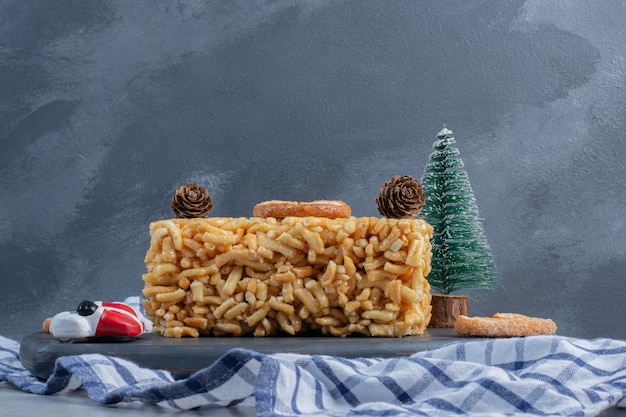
(539,375)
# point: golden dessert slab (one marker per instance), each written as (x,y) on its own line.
(263,276)
(182,357)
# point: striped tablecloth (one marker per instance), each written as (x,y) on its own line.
(538,375)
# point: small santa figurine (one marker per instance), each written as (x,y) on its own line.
(98,319)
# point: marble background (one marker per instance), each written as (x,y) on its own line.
(107,107)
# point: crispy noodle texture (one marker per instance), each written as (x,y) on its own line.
(312,275)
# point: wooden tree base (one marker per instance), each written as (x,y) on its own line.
(446,308)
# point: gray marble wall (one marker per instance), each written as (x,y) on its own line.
(107,106)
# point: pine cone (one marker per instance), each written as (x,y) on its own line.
(400,197)
(191,201)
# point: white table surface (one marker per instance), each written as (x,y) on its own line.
(14,402)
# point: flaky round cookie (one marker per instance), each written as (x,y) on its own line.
(503,325)
(320,208)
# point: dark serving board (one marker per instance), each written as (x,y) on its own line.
(182,357)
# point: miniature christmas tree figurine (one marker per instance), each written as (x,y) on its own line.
(461,254)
